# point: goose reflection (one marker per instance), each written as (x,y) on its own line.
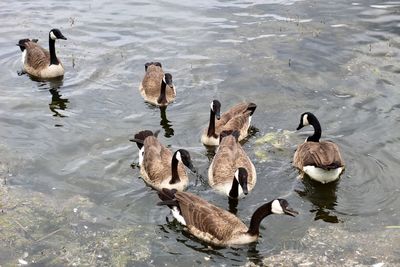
(322,196)
(165,123)
(53,85)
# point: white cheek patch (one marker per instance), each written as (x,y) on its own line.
(141,155)
(237,175)
(177,215)
(164,79)
(23,56)
(305,120)
(276,207)
(52,36)
(211,106)
(178,156)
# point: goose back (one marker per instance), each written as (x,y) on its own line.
(324,155)
(208,222)
(156,166)
(150,87)
(236,118)
(229,157)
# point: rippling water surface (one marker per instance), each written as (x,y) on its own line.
(71,192)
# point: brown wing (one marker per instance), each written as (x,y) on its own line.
(224,167)
(239,123)
(232,112)
(156,160)
(208,218)
(36,56)
(323,155)
(152,81)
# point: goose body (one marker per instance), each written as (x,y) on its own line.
(40,62)
(159,167)
(237,118)
(157,87)
(231,172)
(215,225)
(320,160)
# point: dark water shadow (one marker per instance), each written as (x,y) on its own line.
(53,85)
(322,196)
(165,123)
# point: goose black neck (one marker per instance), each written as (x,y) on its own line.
(174,168)
(211,126)
(234,193)
(317,129)
(257,217)
(162,99)
(52,49)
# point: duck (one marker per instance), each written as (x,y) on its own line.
(214,225)
(159,167)
(157,87)
(320,160)
(231,171)
(236,118)
(39,62)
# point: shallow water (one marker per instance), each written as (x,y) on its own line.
(70,194)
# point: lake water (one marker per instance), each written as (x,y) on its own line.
(70,189)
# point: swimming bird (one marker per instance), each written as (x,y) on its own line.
(157,87)
(231,172)
(39,62)
(158,166)
(215,225)
(321,160)
(236,118)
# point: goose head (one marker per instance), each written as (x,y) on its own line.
(216,108)
(56,34)
(167,79)
(183,156)
(304,119)
(281,206)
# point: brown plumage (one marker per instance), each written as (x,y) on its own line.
(40,62)
(158,166)
(157,87)
(321,160)
(215,225)
(324,155)
(236,118)
(229,158)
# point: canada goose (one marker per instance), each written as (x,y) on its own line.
(231,172)
(236,118)
(157,88)
(319,160)
(215,225)
(39,62)
(158,166)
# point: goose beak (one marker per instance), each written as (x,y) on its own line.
(192,168)
(63,37)
(291,212)
(245,191)
(299,127)
(218,116)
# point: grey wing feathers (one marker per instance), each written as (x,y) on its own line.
(323,155)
